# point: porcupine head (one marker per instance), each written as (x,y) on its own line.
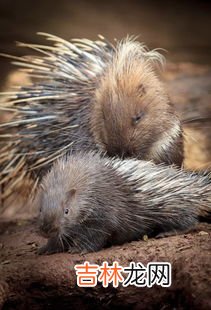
(59,195)
(70,200)
(132,114)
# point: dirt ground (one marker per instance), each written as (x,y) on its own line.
(29,281)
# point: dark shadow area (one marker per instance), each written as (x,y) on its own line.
(182,27)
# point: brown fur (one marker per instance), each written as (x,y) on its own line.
(132,111)
(91,95)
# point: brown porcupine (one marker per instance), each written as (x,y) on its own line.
(88,202)
(89,95)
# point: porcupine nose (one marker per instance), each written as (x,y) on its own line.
(120,150)
(49,229)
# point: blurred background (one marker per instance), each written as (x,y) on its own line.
(180,27)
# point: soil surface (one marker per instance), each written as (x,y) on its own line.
(29,281)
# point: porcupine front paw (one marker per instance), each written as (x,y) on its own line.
(51,247)
(74,250)
(45,250)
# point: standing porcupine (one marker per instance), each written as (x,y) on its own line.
(87,202)
(90,95)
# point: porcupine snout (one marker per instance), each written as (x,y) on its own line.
(120,152)
(49,228)
(121,147)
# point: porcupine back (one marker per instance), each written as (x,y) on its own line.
(53,115)
(110,201)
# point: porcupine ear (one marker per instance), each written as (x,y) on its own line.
(71,194)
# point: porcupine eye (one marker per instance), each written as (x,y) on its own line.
(66,211)
(69,196)
(137,118)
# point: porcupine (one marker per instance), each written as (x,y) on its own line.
(88,202)
(90,95)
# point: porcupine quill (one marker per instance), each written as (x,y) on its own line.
(88,202)
(88,95)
